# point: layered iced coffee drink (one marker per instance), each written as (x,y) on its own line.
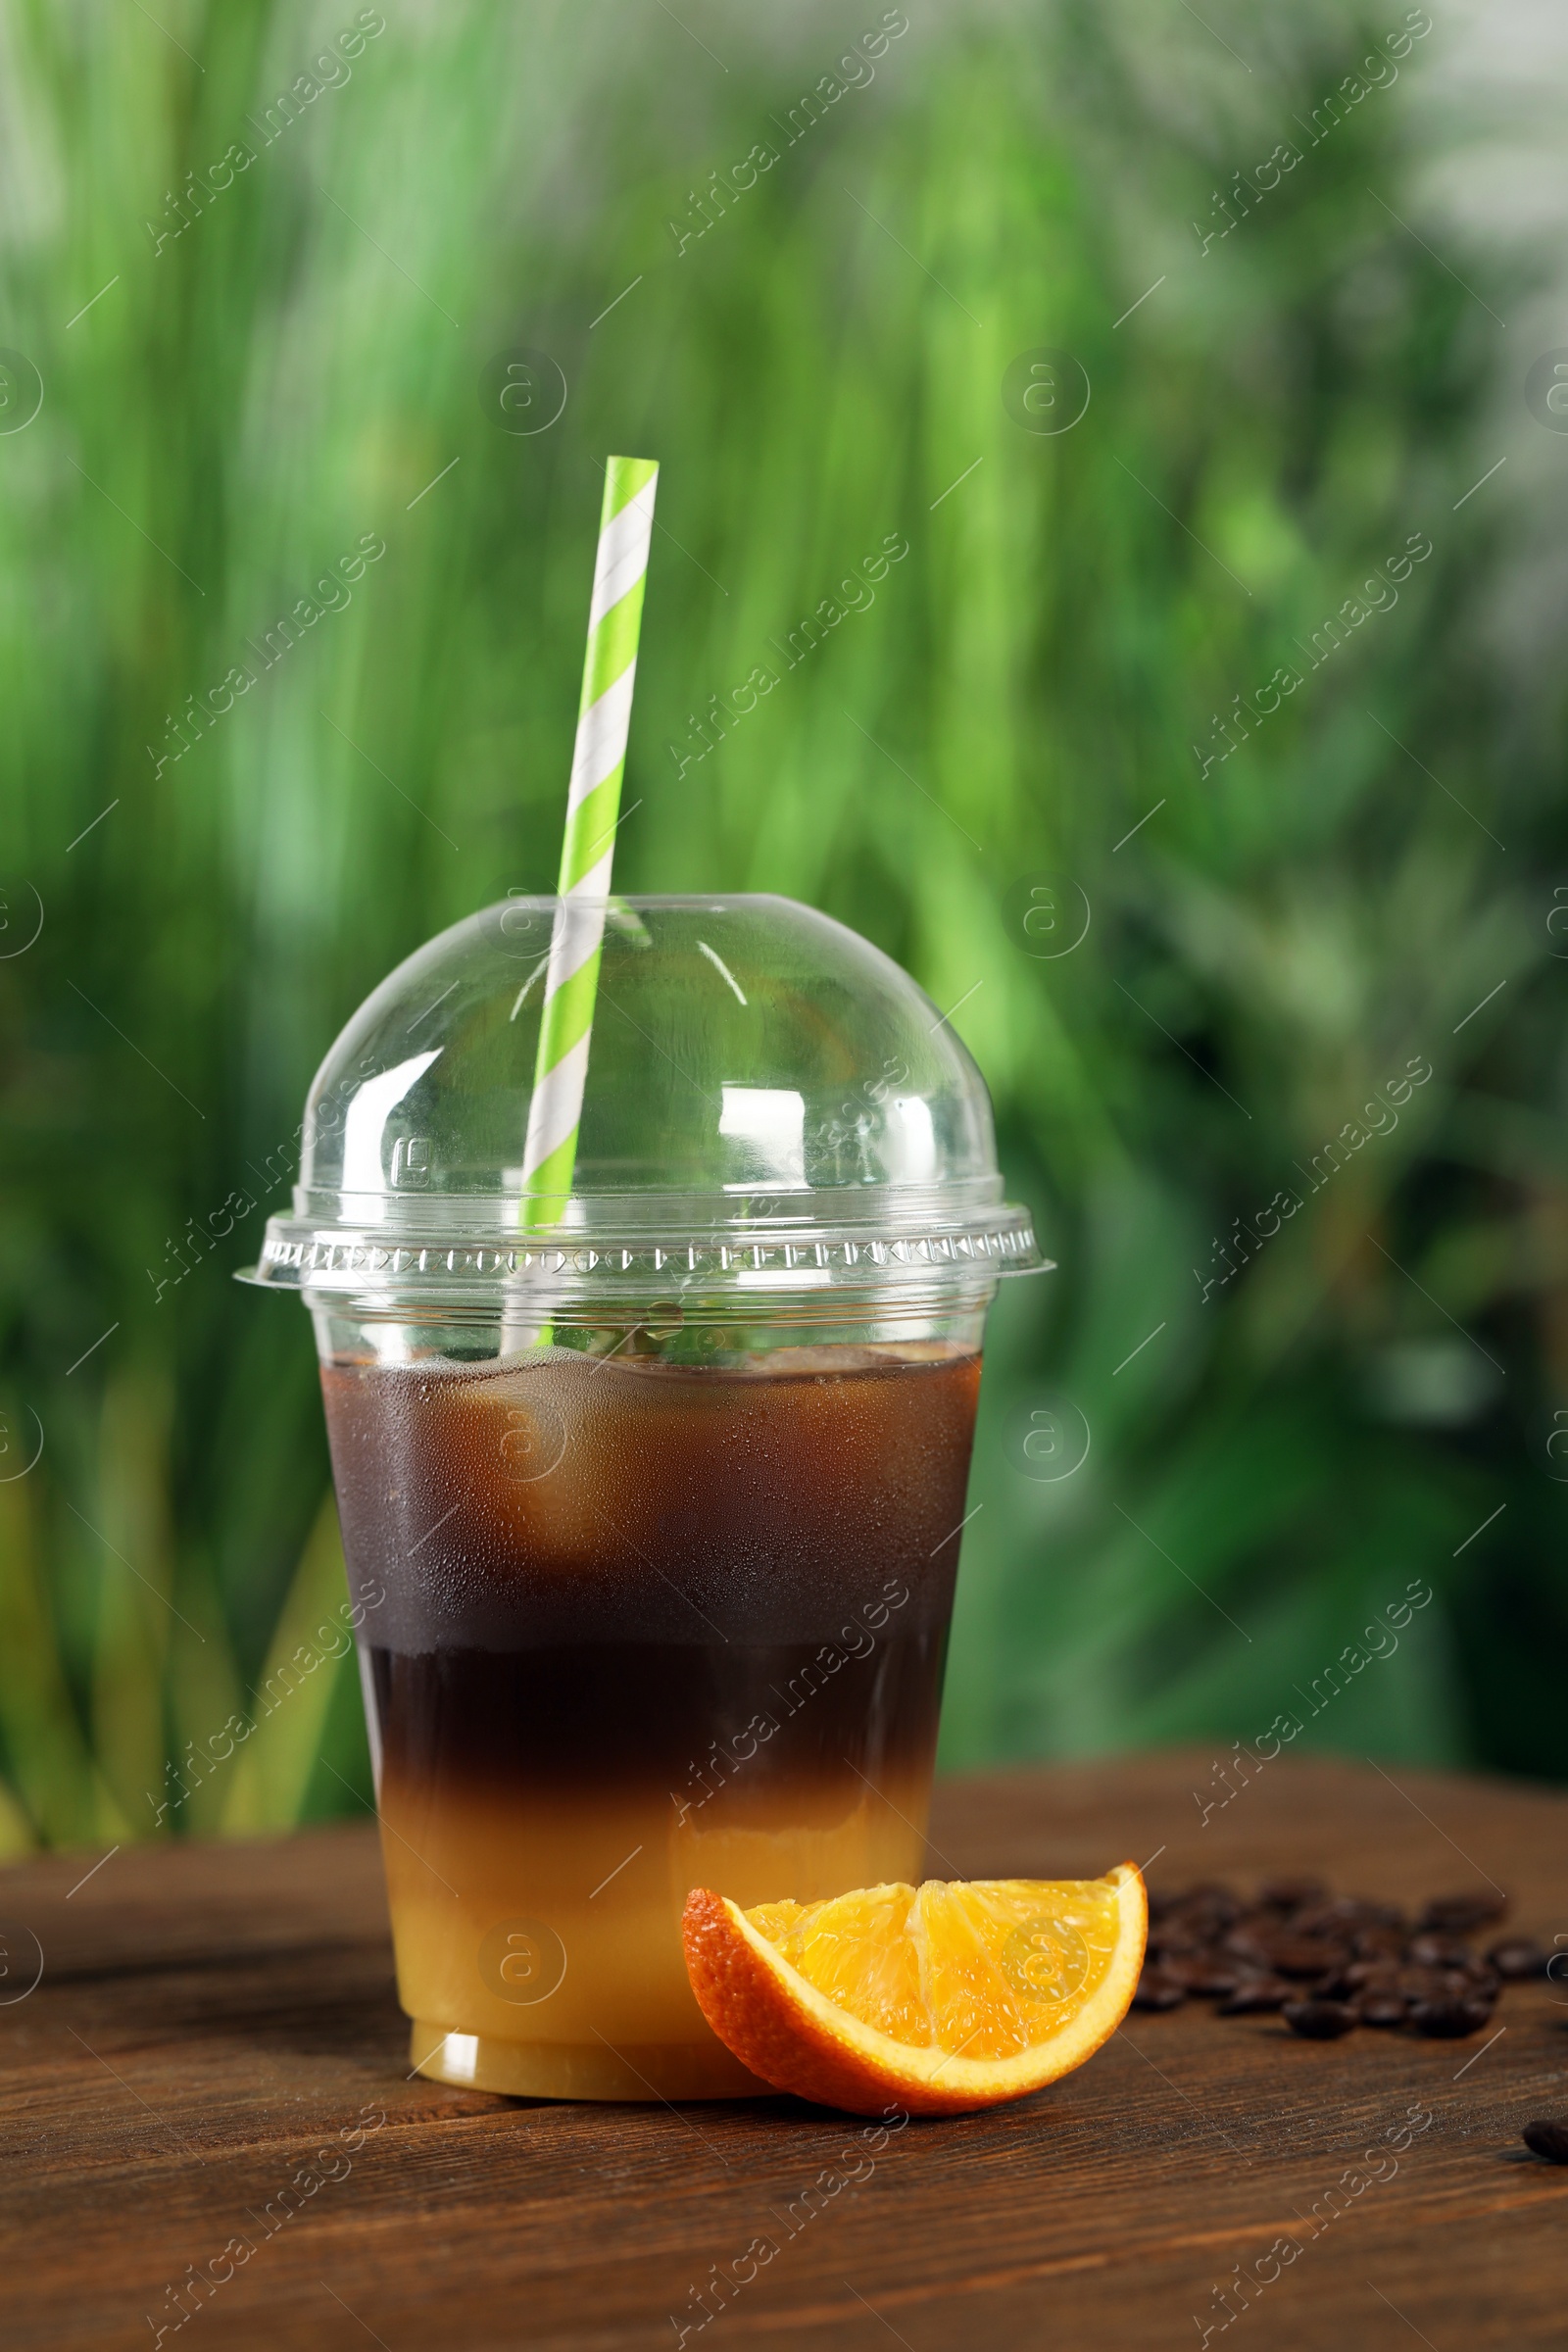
(648,1626)
(666,1500)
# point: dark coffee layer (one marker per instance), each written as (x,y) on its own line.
(741,1732)
(583,1508)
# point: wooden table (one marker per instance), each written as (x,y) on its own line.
(213,2018)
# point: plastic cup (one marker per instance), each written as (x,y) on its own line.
(654,1515)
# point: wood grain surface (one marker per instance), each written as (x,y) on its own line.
(214,2023)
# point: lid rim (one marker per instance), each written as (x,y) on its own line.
(301,1255)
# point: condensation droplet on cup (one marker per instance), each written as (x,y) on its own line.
(534,1440)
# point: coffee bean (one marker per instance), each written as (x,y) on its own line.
(1257,1933)
(1291,1894)
(1318,1919)
(1207,1898)
(1517,1958)
(1204,1973)
(1380,1974)
(1430,1950)
(1255,1995)
(1376,1975)
(1471,1974)
(1457,1914)
(1307,1955)
(1253,1944)
(1348,1958)
(1437,1984)
(1178,1935)
(1380,1943)
(1344,1914)
(1320,2021)
(1156,1990)
(1451,2019)
(1549,2139)
(1209,1910)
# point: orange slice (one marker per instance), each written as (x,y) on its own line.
(935,2000)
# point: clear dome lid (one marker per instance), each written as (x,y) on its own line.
(771,1106)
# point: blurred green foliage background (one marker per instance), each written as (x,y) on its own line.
(249,366)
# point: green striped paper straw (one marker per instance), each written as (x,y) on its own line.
(593,803)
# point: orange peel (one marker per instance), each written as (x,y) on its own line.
(935,1999)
